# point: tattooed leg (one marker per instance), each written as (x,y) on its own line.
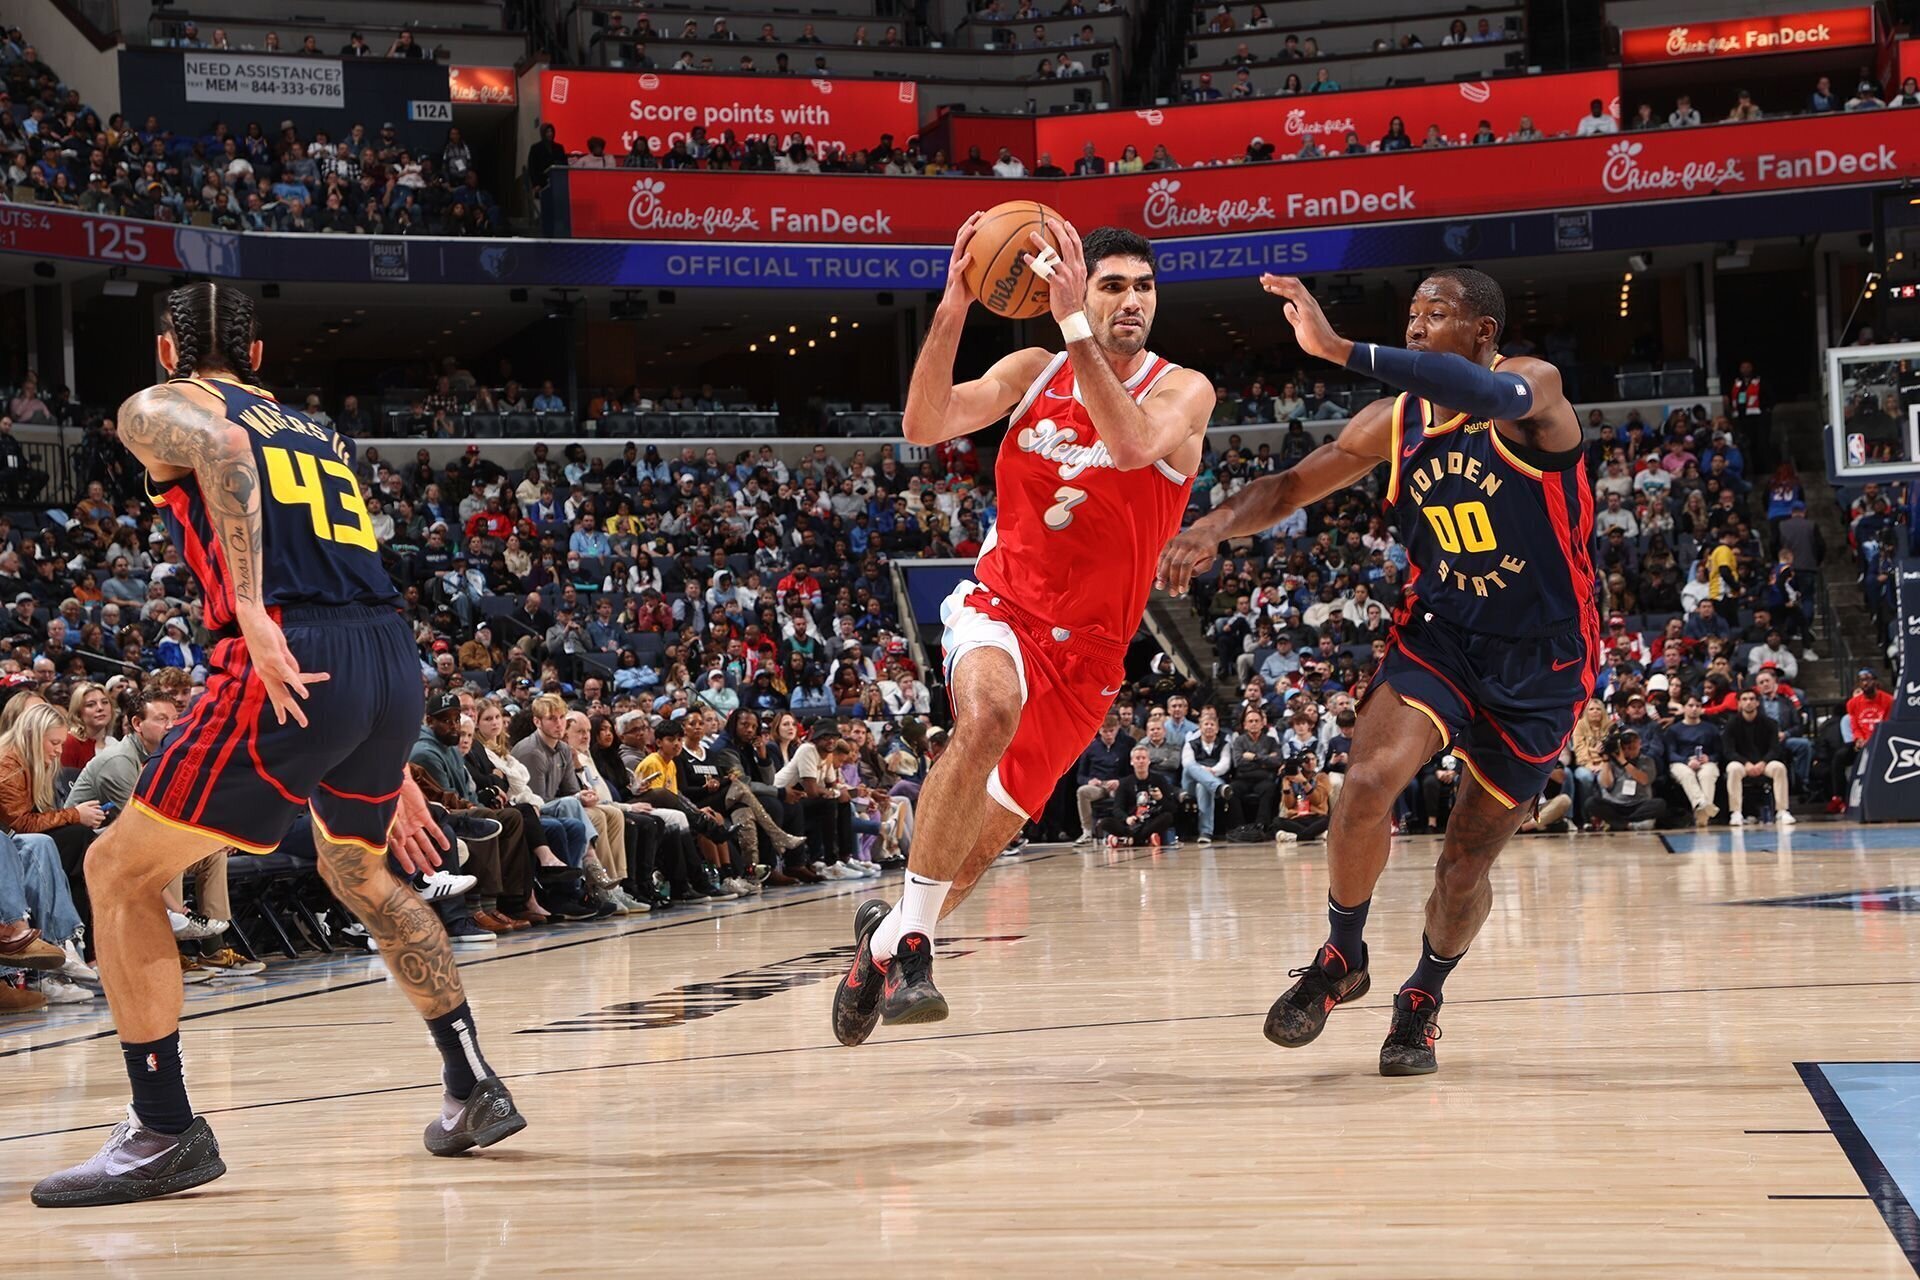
(412,940)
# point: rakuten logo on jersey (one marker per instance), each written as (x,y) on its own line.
(648,210)
(1621,172)
(1164,212)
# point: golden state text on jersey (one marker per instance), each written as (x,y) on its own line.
(1498,535)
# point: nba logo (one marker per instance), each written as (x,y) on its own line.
(1856,449)
(558,92)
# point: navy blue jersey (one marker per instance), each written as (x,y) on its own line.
(1498,545)
(317,543)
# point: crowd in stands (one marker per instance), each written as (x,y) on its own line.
(58,152)
(653,682)
(670,677)
(403,46)
(629,42)
(793,153)
(1708,572)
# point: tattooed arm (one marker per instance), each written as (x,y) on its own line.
(177,430)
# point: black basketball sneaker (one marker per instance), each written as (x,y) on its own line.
(856,1004)
(1408,1050)
(910,995)
(136,1164)
(487,1116)
(1299,1016)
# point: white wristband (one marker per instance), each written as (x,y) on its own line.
(1075,327)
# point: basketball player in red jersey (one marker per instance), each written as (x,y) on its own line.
(1102,443)
(313,704)
(1494,648)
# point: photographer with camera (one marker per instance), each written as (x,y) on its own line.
(1146,805)
(1625,780)
(1303,798)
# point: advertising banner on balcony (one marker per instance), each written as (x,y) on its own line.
(665,108)
(1221,130)
(1744,37)
(1453,183)
(483,86)
(122,242)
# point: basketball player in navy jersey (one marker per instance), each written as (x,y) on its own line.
(1495,645)
(314,700)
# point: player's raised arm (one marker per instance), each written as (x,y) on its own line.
(936,408)
(1516,391)
(1362,445)
(174,430)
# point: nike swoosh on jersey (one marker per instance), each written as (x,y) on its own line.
(1562,666)
(1108,693)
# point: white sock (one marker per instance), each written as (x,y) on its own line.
(917,912)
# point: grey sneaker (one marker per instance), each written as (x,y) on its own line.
(136,1164)
(487,1116)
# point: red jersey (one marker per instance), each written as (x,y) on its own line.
(1867,713)
(1077,539)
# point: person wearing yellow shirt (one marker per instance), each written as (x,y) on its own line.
(1724,558)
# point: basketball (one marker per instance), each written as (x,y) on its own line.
(1000,276)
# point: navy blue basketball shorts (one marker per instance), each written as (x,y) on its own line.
(1506,706)
(231,770)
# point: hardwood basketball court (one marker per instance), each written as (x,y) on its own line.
(1655,1062)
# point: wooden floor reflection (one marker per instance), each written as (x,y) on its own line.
(1624,1087)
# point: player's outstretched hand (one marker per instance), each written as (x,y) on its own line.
(1185,554)
(1066,272)
(957,294)
(416,839)
(1310,326)
(279,670)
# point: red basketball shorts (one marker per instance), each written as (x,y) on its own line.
(1067,683)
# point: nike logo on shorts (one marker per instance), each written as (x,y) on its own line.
(1562,666)
(1113,692)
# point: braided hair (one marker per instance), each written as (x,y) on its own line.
(213,330)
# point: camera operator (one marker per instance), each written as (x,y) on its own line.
(1146,805)
(1303,799)
(1625,779)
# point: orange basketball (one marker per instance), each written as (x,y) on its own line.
(999,276)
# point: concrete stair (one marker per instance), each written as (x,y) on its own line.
(1798,426)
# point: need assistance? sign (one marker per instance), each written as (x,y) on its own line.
(265,80)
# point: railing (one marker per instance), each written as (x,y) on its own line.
(1840,657)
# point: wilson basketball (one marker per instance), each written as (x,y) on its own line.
(1000,276)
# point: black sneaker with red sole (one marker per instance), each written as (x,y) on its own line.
(1298,1017)
(856,1004)
(1408,1050)
(910,995)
